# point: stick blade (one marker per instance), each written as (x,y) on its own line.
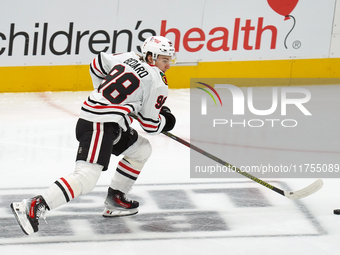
(309,190)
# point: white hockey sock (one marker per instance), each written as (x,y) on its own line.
(81,181)
(126,174)
(62,191)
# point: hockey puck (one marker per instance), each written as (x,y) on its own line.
(336,211)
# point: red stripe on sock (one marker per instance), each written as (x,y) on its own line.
(128,168)
(68,186)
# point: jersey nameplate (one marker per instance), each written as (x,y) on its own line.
(137,67)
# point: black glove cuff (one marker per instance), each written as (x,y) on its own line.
(170,119)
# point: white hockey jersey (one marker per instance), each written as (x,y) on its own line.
(123,84)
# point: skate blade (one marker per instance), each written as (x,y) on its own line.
(114,212)
(21,218)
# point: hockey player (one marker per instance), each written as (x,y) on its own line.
(124,84)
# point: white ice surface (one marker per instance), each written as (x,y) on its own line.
(38,145)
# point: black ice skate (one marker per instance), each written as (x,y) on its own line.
(118,204)
(28,211)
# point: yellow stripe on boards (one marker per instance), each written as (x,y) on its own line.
(45,78)
(239,73)
(260,73)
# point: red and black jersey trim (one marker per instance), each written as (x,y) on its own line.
(123,115)
(148,119)
(108,109)
(102,113)
(133,108)
(96,67)
(95,102)
(149,125)
(93,72)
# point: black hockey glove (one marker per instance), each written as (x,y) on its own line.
(170,119)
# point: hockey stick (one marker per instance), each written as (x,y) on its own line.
(309,190)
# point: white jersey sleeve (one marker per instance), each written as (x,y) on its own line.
(154,98)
